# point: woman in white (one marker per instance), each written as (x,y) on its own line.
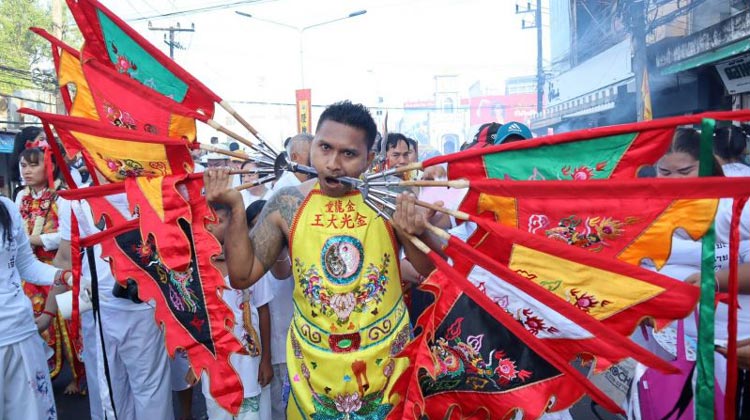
(25,388)
(729,148)
(684,263)
(257,192)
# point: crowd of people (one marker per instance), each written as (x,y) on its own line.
(323,291)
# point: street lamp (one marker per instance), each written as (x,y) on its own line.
(300,33)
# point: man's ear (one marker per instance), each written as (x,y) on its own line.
(370,157)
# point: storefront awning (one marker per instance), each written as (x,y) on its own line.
(708,57)
(589,111)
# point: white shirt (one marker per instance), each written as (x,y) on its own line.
(18,261)
(679,268)
(245,365)
(735,169)
(87,227)
(248,197)
(50,241)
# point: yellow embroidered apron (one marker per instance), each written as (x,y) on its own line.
(349,315)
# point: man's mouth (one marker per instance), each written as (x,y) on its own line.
(331,181)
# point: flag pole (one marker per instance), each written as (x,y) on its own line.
(259,181)
(394,171)
(459,183)
(239,155)
(227,107)
(258,148)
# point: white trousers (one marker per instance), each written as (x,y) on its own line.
(138,365)
(25,388)
(90,335)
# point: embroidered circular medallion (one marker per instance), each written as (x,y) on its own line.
(342,259)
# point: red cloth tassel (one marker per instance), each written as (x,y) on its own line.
(730,396)
(48,168)
(75,254)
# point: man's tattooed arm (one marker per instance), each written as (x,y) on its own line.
(269,236)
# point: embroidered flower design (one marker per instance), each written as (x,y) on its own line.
(305,371)
(585,301)
(343,305)
(123,64)
(348,403)
(533,323)
(582,173)
(506,369)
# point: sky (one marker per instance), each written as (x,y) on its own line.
(393,51)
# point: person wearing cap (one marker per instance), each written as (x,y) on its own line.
(493,134)
(217,160)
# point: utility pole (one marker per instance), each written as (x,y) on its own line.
(172,29)
(637,12)
(539,63)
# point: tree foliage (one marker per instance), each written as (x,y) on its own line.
(25,58)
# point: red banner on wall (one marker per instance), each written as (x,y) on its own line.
(304,117)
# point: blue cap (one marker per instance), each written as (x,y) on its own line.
(510,129)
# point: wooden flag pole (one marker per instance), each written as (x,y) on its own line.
(227,107)
(459,183)
(265,179)
(239,155)
(394,171)
(220,128)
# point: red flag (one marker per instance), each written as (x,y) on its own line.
(188,302)
(106,95)
(110,40)
(570,331)
(473,360)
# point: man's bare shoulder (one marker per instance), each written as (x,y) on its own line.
(286,202)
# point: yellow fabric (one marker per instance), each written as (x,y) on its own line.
(70,72)
(151,189)
(504,208)
(347,291)
(117,159)
(654,243)
(694,216)
(580,284)
(180,127)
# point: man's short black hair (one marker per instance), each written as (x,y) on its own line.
(353,115)
(413,145)
(394,139)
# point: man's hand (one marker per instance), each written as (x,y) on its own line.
(218,185)
(694,279)
(190,377)
(265,371)
(743,354)
(36,240)
(408,217)
(42,322)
